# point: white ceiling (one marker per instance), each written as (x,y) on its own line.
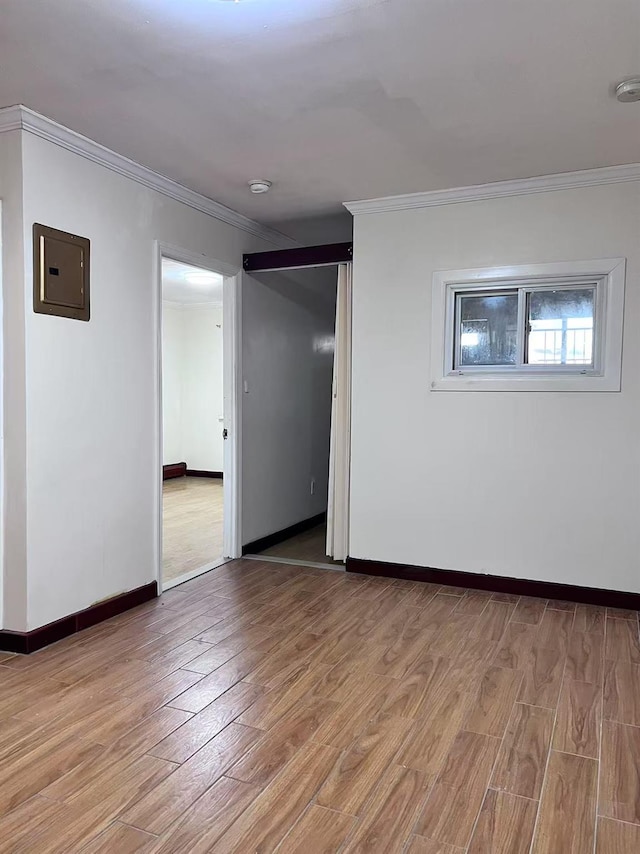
(188,285)
(332,100)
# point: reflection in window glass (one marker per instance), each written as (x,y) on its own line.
(560,327)
(487,329)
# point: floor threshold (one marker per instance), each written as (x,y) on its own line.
(292,562)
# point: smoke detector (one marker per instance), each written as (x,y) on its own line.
(628,90)
(258,186)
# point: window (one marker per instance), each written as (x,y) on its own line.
(539,327)
(545,326)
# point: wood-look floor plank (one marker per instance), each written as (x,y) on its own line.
(23,777)
(358,771)
(411,697)
(166,802)
(261,827)
(523,755)
(509,598)
(129,747)
(421,593)
(589,618)
(394,626)
(274,704)
(492,706)
(124,780)
(114,720)
(420,845)
(201,728)
(622,614)
(474,656)
(451,590)
(529,610)
(206,821)
(427,746)
(392,812)
(22,829)
(354,713)
(396,660)
(473,603)
(567,818)
(56,827)
(616,837)
(622,641)
(505,825)
(269,756)
(455,801)
(543,671)
(320,830)
(560,605)
(121,839)
(514,650)
(337,682)
(493,620)
(15,734)
(622,692)
(438,610)
(275,668)
(619,772)
(579,716)
(447,640)
(210,687)
(585,657)
(555,630)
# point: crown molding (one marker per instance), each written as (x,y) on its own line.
(499,189)
(19,117)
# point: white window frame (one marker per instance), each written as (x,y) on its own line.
(608,276)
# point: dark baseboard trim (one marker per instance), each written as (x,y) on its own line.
(174,470)
(28,642)
(199,473)
(498,584)
(264,543)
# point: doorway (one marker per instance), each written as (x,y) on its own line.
(197,501)
(289,330)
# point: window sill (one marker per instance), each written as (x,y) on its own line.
(493,382)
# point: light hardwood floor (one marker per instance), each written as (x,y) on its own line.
(310,546)
(192,518)
(263,708)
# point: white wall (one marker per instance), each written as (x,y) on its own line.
(530,485)
(13,590)
(91,443)
(288,325)
(172,376)
(192,386)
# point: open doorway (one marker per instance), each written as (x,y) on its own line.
(193,453)
(289,326)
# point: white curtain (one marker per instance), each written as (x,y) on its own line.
(340,452)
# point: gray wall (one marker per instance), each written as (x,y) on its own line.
(288,327)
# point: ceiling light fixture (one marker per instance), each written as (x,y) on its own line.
(202,278)
(258,186)
(628,90)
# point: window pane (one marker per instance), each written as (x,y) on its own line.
(560,326)
(487,329)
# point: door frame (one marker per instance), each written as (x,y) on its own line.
(232,378)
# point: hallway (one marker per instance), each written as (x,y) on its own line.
(267,707)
